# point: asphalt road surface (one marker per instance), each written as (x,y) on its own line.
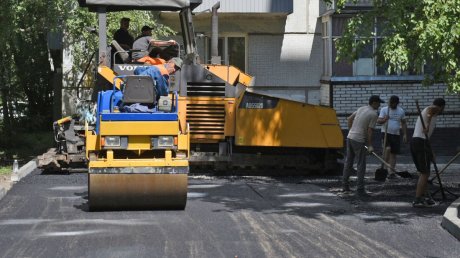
(46,216)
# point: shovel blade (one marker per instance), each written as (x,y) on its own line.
(404,174)
(381,174)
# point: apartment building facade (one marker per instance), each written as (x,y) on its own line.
(288,45)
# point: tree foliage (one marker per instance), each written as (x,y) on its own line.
(416,33)
(26,72)
(29,66)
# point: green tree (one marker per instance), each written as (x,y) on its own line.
(417,32)
(29,67)
(6,75)
(25,68)
(31,58)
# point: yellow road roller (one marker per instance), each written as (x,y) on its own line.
(138,150)
(137,160)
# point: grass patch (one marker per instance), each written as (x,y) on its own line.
(6,170)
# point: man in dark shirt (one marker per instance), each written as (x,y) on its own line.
(122,35)
(123,38)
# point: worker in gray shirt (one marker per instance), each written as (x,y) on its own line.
(361,124)
(145,41)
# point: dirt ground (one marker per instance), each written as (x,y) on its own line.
(5,181)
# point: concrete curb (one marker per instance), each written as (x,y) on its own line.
(22,172)
(2,192)
(451,221)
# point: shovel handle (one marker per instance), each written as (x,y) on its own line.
(382,160)
(384,152)
(378,157)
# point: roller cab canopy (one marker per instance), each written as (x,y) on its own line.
(158,5)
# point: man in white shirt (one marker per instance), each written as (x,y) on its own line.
(361,124)
(393,119)
(421,150)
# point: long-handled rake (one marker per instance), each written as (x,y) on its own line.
(446,166)
(442,171)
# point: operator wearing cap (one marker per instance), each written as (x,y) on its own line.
(361,124)
(145,41)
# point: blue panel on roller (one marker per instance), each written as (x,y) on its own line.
(139,117)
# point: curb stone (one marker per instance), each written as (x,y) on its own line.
(451,221)
(2,192)
(22,172)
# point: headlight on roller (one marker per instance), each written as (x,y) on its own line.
(112,141)
(165,141)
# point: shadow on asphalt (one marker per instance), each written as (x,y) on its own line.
(305,196)
(388,201)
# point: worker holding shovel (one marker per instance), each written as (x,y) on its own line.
(361,124)
(393,119)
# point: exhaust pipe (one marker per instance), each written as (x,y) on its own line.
(215,58)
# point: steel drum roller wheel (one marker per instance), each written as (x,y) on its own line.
(137,191)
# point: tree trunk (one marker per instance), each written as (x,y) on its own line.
(5,81)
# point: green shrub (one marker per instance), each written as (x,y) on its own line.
(25,146)
(5,170)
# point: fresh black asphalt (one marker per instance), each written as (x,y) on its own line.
(45,215)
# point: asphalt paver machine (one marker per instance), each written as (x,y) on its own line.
(141,160)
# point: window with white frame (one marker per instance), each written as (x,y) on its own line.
(366,64)
(231,49)
(326,39)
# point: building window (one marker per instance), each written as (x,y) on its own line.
(366,64)
(326,46)
(236,52)
(232,51)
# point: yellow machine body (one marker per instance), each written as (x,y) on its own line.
(230,74)
(109,75)
(250,119)
(263,120)
(211,119)
(254,119)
